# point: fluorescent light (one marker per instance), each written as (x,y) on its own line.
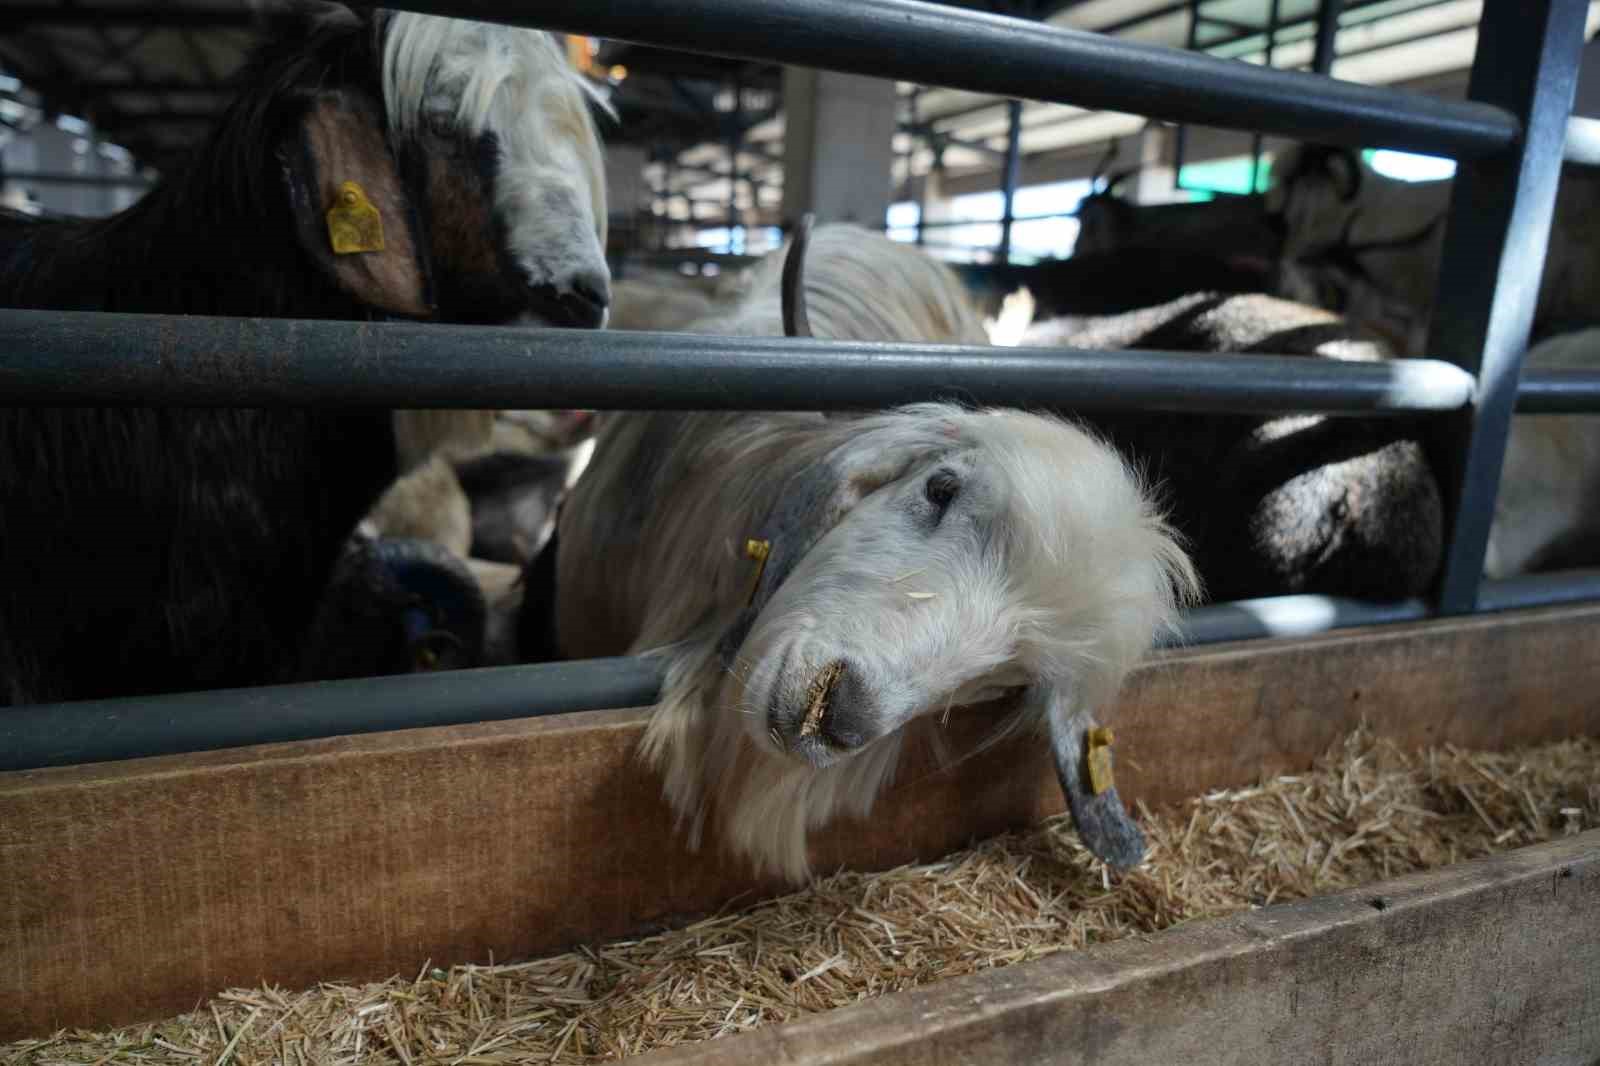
(1407,166)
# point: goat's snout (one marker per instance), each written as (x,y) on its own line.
(577,302)
(825,715)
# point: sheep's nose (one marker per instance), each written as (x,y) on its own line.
(845,721)
(586,301)
(578,302)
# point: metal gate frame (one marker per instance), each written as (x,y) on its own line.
(1509,138)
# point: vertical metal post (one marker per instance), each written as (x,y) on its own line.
(1180,143)
(1256,141)
(1327,36)
(1494,249)
(911,157)
(935,166)
(735,136)
(1009,179)
(670,157)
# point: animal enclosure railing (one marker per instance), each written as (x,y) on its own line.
(1509,137)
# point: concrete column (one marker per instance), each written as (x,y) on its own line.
(1154,183)
(935,205)
(838,146)
(625,187)
(1587,102)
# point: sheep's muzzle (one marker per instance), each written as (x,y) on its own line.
(819,695)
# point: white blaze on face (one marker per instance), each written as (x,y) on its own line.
(516,85)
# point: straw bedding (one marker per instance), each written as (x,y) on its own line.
(1367,811)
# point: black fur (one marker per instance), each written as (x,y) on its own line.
(514,501)
(1269,506)
(157,550)
(395,606)
(1109,283)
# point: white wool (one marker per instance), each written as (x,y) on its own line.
(1017,311)
(1057,574)
(859,285)
(517,84)
(426,504)
(1079,577)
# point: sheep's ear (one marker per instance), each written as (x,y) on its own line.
(1103,822)
(336,158)
(1344,167)
(813,502)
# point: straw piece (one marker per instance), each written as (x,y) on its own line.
(1367,811)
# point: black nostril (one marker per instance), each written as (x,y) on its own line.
(581,304)
(581,309)
(845,723)
(588,300)
(594,289)
(842,736)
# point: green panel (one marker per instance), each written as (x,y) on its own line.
(1225,175)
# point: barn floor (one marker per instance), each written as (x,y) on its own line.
(1368,811)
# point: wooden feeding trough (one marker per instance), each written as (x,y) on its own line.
(135,890)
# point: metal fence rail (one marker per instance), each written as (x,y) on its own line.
(1493,258)
(103,730)
(54,359)
(937,44)
(1511,137)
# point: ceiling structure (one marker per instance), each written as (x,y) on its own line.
(152,75)
(1380,42)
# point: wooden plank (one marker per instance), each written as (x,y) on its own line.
(1493,961)
(132,890)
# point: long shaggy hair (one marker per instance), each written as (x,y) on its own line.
(226,524)
(948,556)
(1067,586)
(860,285)
(515,82)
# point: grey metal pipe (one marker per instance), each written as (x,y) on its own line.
(52,358)
(1327,36)
(1303,616)
(1494,251)
(940,44)
(98,181)
(1010,175)
(104,730)
(101,730)
(1559,392)
(1582,146)
(1289,616)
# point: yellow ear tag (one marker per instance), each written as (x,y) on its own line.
(1099,759)
(354,225)
(757,550)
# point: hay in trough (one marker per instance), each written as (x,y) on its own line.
(1366,812)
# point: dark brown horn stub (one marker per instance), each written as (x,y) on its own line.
(795,321)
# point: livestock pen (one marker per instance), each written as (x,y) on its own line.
(157,850)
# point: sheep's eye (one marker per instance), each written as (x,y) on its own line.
(941,488)
(442,124)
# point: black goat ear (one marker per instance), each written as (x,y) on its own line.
(351,211)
